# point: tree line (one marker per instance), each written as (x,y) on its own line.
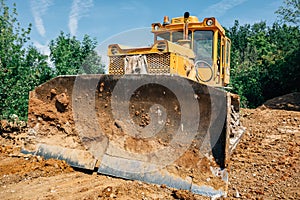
(23,67)
(264,59)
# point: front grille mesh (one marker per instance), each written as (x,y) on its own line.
(157,64)
(116,65)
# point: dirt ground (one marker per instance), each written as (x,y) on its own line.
(265,165)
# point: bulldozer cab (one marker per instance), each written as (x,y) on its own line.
(183,46)
(207,40)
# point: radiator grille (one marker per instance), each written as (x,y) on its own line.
(116,65)
(157,64)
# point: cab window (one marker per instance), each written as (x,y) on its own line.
(172,36)
(163,36)
(178,35)
(203,45)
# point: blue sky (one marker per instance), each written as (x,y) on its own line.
(103,19)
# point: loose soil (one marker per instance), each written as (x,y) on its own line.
(265,165)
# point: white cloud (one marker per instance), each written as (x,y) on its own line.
(38,9)
(222,7)
(44,49)
(78,10)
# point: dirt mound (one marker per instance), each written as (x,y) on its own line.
(14,169)
(12,126)
(286,102)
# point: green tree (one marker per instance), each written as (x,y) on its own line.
(245,68)
(283,64)
(21,69)
(265,61)
(289,12)
(70,56)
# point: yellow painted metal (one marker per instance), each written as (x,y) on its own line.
(181,59)
(227,62)
(170,47)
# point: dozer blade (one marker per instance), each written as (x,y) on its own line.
(159,129)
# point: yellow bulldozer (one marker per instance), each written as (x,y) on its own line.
(161,115)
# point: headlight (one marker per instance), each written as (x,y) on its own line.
(209,22)
(161,46)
